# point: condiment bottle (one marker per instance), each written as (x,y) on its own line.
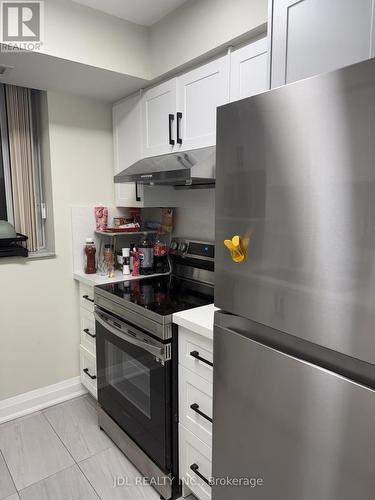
(90,252)
(126,261)
(136,263)
(160,256)
(146,256)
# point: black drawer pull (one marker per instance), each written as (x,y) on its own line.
(195,407)
(86,370)
(92,335)
(194,468)
(86,297)
(195,355)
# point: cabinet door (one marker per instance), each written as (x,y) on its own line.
(127,145)
(158,128)
(249,69)
(199,93)
(315,36)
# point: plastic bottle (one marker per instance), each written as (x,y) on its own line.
(90,252)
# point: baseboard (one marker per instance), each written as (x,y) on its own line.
(36,400)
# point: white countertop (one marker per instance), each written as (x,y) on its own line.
(199,320)
(97,279)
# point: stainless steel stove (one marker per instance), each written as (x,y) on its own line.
(137,359)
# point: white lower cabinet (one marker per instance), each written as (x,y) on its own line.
(87,350)
(86,297)
(196,404)
(192,344)
(88,371)
(88,335)
(195,461)
(195,413)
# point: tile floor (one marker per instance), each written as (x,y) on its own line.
(61,454)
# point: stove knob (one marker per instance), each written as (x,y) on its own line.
(183,247)
(174,245)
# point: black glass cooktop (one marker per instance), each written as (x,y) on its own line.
(163,295)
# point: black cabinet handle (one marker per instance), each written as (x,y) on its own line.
(179,117)
(86,370)
(87,331)
(194,468)
(86,297)
(195,355)
(195,407)
(137,197)
(171,120)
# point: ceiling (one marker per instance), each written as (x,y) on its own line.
(41,71)
(145,12)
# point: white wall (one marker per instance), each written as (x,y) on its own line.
(87,36)
(39,311)
(199,27)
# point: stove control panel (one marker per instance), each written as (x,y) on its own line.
(192,249)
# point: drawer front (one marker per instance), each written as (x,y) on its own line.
(195,402)
(88,370)
(88,339)
(193,452)
(86,297)
(190,342)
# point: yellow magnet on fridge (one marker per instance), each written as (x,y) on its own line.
(236,249)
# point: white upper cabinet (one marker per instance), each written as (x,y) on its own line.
(159,115)
(249,70)
(127,145)
(127,148)
(199,93)
(315,36)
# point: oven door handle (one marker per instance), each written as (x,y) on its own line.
(162,353)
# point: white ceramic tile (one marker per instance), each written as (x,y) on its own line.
(76,424)
(32,450)
(101,471)
(7,487)
(69,484)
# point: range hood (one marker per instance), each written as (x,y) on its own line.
(195,168)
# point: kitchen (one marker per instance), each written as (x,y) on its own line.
(206,398)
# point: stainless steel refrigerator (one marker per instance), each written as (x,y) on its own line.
(294,344)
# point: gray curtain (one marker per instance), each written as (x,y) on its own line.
(23,162)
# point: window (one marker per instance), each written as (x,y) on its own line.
(24,160)
(3,204)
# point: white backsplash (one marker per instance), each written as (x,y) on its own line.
(83,226)
(194,218)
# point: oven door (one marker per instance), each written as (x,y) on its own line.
(134,384)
